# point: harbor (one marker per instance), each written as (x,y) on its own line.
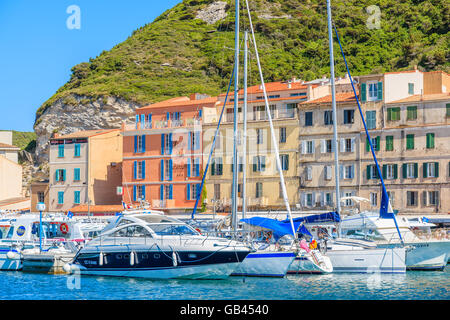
(320,188)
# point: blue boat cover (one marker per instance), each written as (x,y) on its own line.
(323,217)
(279,228)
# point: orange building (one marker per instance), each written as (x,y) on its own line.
(162,153)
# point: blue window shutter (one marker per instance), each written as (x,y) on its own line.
(64,174)
(77,150)
(168,116)
(134,193)
(188,192)
(135,144)
(143,143)
(57,174)
(143,169)
(200,113)
(61,151)
(137,118)
(188,171)
(143,192)
(143,119)
(170,143)
(162,143)
(162,170)
(171,191)
(170,170)
(197,189)
(197,167)
(189,141)
(197,140)
(150,120)
(134,169)
(76,174)
(161,192)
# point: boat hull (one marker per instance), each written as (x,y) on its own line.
(8,264)
(387,260)
(304,263)
(424,255)
(160,264)
(265,264)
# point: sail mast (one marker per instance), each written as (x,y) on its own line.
(333,100)
(236,100)
(244,147)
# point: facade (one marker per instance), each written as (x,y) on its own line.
(162,153)
(10,170)
(263,189)
(85,167)
(39,193)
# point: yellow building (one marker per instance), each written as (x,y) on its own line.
(263,188)
(85,168)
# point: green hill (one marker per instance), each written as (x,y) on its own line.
(178,54)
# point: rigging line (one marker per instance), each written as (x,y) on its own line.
(212,147)
(384,192)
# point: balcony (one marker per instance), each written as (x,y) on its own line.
(162,124)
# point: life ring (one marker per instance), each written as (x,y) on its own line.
(199,231)
(64,228)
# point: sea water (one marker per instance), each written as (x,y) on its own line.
(420,285)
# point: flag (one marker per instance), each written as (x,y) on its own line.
(69,214)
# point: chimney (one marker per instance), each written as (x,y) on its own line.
(193,96)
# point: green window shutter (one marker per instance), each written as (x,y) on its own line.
(255,164)
(416,170)
(447,107)
(378,143)
(409,141)
(430,140)
(380,90)
(425,170)
(363,92)
(367,145)
(368,171)
(384,171)
(389,143)
(404,170)
(437,169)
(395,171)
(389,114)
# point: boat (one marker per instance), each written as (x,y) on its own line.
(19,235)
(149,244)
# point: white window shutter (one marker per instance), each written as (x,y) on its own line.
(323,146)
(322,199)
(342,144)
(303,147)
(353,144)
(314,200)
(341,171)
(313,147)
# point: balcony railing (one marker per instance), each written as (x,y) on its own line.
(163,124)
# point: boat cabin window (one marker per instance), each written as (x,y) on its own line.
(6,232)
(172,229)
(124,222)
(157,219)
(132,231)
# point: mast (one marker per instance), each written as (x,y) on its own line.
(236,101)
(244,147)
(333,99)
(274,139)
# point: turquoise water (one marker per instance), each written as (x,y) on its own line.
(412,285)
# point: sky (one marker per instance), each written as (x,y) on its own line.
(40,41)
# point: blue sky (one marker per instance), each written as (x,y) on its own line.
(38,49)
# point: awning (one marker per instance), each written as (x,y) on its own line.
(318,218)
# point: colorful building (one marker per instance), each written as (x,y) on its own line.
(162,153)
(85,167)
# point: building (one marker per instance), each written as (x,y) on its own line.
(39,194)
(162,153)
(85,167)
(263,188)
(410,125)
(7,149)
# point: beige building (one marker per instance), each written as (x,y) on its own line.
(39,194)
(85,167)
(263,188)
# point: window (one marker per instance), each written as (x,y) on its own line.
(287,111)
(284,159)
(61,197)
(390,171)
(391,196)
(77,151)
(60,175)
(430,140)
(431,170)
(309,200)
(328,173)
(375,144)
(308,119)
(389,143)
(240,165)
(139,144)
(329,199)
(216,167)
(373,91)
(139,170)
(76,174)
(410,88)
(259,136)
(349,116)
(259,190)
(282,134)
(411,198)
(259,163)
(167,169)
(372,172)
(410,170)
(348,171)
(41,196)
(216,191)
(328,117)
(409,142)
(433,198)
(132,231)
(230,115)
(76,197)
(168,191)
(61,151)
(327,146)
(309,147)
(393,114)
(308,173)
(374,199)
(348,144)
(411,113)
(371,119)
(348,202)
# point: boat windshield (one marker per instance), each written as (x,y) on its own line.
(165,229)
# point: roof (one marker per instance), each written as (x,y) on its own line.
(425,97)
(341,97)
(8,146)
(262,101)
(273,86)
(97,208)
(84,134)
(179,102)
